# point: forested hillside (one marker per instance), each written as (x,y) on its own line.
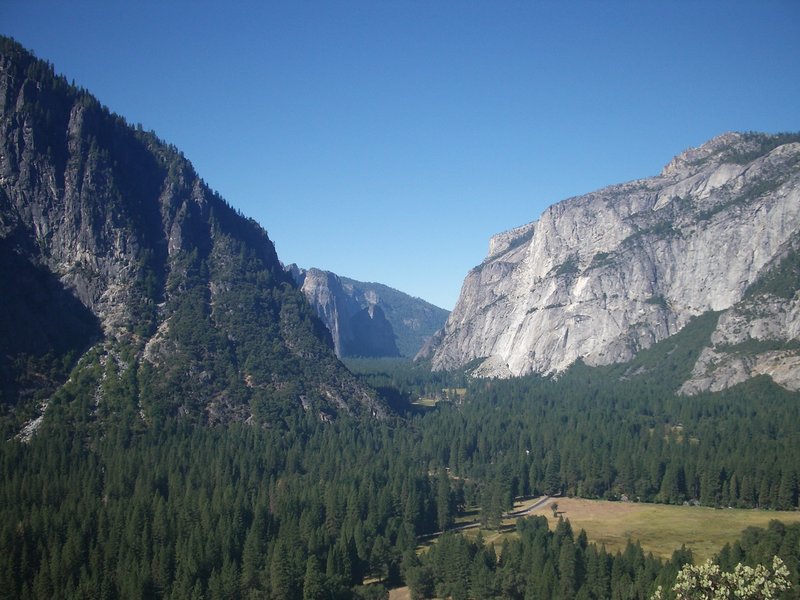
(113,251)
(178,510)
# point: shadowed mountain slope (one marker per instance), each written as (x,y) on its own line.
(114,250)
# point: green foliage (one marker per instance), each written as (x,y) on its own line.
(43,328)
(783,280)
(601,259)
(758,546)
(224,511)
(754,346)
(754,190)
(667,364)
(657,301)
(759,145)
(754,146)
(539,563)
(659,229)
(568,267)
(400,382)
(98,502)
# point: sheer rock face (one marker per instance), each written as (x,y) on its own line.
(601,276)
(357,324)
(109,240)
(368,319)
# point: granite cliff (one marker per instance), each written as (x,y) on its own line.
(369,319)
(118,263)
(602,276)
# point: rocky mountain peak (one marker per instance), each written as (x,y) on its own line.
(689,159)
(120,259)
(729,148)
(601,276)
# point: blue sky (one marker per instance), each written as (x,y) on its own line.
(387,141)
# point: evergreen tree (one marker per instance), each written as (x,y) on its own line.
(314,581)
(552,476)
(444,501)
(283,585)
(787,490)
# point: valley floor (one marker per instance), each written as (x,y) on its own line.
(659,528)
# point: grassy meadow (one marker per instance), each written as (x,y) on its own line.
(660,528)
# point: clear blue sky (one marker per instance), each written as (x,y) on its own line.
(387,141)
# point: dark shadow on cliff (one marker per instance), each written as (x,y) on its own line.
(44,328)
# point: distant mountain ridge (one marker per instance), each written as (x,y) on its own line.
(368,319)
(114,251)
(601,276)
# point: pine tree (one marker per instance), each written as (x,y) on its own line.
(314,581)
(567,571)
(552,475)
(491,507)
(787,491)
(764,493)
(482,579)
(380,558)
(252,556)
(282,585)
(444,501)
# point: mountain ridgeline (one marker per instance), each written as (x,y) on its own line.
(118,258)
(369,319)
(602,276)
